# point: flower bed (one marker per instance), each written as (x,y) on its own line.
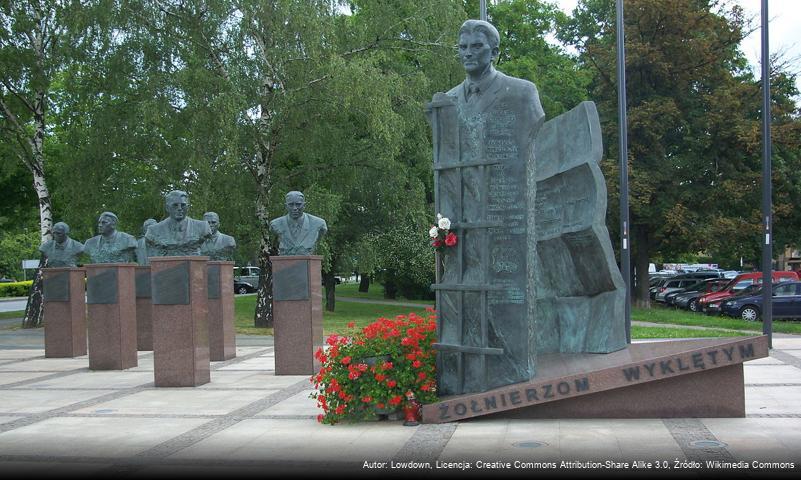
(376,367)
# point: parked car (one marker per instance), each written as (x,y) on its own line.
(687,280)
(710,303)
(689,298)
(675,284)
(705,286)
(654,289)
(786,303)
(248,274)
(241,287)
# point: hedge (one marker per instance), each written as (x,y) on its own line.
(15,289)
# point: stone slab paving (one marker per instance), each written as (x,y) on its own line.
(58,418)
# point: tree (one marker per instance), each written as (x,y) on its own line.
(304,85)
(37,39)
(689,106)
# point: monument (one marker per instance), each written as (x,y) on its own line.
(110,246)
(218,246)
(62,251)
(297,292)
(177,235)
(64,312)
(141,245)
(179,293)
(220,250)
(144,306)
(530,300)
(298,232)
(111,297)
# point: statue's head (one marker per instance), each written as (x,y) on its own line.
(214,221)
(177,204)
(107,223)
(60,232)
(147,224)
(295,203)
(478,45)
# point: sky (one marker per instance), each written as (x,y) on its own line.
(783,28)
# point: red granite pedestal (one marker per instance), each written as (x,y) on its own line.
(660,379)
(144,310)
(297,313)
(111,300)
(222,335)
(180,325)
(64,312)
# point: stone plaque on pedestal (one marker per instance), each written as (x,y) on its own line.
(144,310)
(222,335)
(111,299)
(179,291)
(64,312)
(297,313)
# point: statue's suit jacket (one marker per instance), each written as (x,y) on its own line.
(65,257)
(219,247)
(505,92)
(311,231)
(171,238)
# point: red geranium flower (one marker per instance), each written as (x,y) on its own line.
(345,360)
(396,400)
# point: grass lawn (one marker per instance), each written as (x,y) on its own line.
(638,332)
(7,315)
(659,314)
(376,292)
(333,322)
(365,313)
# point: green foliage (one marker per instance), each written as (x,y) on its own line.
(15,289)
(693,121)
(16,246)
(407,260)
(526,53)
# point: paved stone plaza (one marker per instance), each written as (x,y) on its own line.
(58,418)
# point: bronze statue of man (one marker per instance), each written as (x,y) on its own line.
(177,235)
(62,251)
(141,245)
(111,246)
(298,232)
(219,246)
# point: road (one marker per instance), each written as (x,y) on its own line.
(13,305)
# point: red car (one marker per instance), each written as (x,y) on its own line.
(710,303)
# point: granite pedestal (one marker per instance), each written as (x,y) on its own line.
(179,291)
(144,310)
(64,312)
(661,379)
(111,299)
(222,335)
(297,313)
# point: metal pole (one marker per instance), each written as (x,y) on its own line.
(625,244)
(767,247)
(483,9)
